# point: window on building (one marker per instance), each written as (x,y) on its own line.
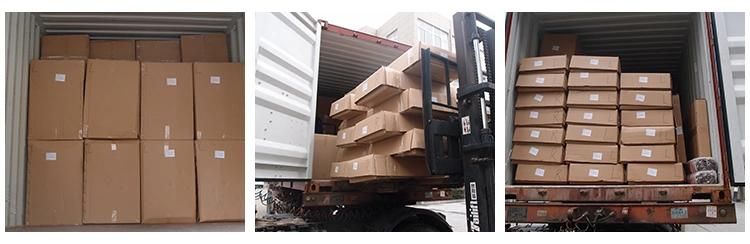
(429,34)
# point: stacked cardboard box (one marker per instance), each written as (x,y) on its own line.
(648,129)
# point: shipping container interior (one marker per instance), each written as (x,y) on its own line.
(676,43)
(23,33)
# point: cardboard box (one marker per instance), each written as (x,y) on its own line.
(596,173)
(557,64)
(158,51)
(351,122)
(655,173)
(346,136)
(538,82)
(647,153)
(384,124)
(591,134)
(204,48)
(591,153)
(645,99)
(540,100)
(558,44)
(380,165)
(646,81)
(651,135)
(679,131)
(167,101)
(541,173)
(592,99)
(56,99)
(409,144)
(539,135)
(647,117)
(220,167)
(584,80)
(410,102)
(219,101)
(65,47)
(596,63)
(547,153)
(345,108)
(112,49)
(591,116)
(111,182)
(54,183)
(544,117)
(349,153)
(700,140)
(386,83)
(324,154)
(410,63)
(111,109)
(168,182)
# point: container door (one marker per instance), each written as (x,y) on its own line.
(730,35)
(286,51)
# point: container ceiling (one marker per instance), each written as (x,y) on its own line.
(645,42)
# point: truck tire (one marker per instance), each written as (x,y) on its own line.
(416,226)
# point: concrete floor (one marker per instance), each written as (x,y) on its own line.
(201,227)
(454,211)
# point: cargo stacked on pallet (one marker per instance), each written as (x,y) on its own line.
(122,149)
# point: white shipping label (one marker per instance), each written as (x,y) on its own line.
(555,47)
(588,116)
(539,80)
(584,75)
(539,172)
(711,212)
(538,63)
(465,125)
(50,156)
(594,172)
(219,154)
(171,81)
(343,135)
(678,130)
(534,114)
(169,153)
(215,80)
(643,79)
(594,61)
(434,99)
(355,165)
(650,132)
(646,153)
(652,172)
(364,86)
(640,115)
(640,97)
(534,151)
(336,106)
(60,77)
(534,134)
(586,132)
(597,156)
(114,147)
(538,97)
(364,129)
(594,97)
(336,169)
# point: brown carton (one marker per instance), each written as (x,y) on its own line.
(346,136)
(324,154)
(590,116)
(220,167)
(584,80)
(204,48)
(558,44)
(541,173)
(168,182)
(597,63)
(646,81)
(557,64)
(700,141)
(410,63)
(591,153)
(647,117)
(379,165)
(111,109)
(158,50)
(349,153)
(592,99)
(345,108)
(410,102)
(540,100)
(647,135)
(111,182)
(56,99)
(596,173)
(219,101)
(547,153)
(383,84)
(410,143)
(545,117)
(591,133)
(166,101)
(384,124)
(679,130)
(112,49)
(655,173)
(645,99)
(647,153)
(539,135)
(351,122)
(537,82)
(54,183)
(65,47)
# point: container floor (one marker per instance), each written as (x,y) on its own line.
(200,227)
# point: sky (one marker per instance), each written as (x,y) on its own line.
(357,20)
